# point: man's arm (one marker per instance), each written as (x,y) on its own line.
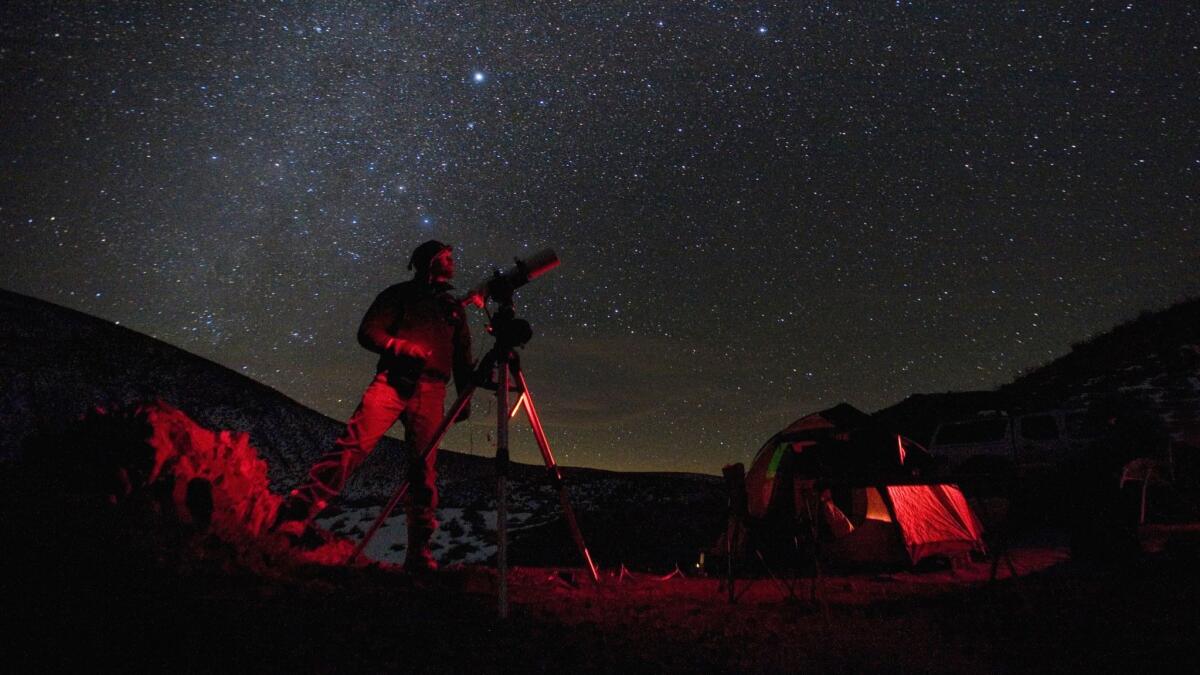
(384,313)
(374,333)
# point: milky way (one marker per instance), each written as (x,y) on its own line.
(762,209)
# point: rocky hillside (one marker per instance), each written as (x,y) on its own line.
(1149,366)
(58,366)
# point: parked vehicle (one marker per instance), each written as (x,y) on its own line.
(995,438)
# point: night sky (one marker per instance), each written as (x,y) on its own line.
(762,209)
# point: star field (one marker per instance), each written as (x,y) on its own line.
(762,209)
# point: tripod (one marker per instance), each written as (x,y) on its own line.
(502,362)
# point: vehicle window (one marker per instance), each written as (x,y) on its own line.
(1081,425)
(973,431)
(1039,428)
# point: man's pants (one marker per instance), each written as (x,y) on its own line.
(381,406)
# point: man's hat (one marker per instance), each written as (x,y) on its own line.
(425,253)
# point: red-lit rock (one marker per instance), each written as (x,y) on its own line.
(214,481)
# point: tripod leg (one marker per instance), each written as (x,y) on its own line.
(556,477)
(463,399)
(502,483)
(730,531)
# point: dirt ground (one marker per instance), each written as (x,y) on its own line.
(97,588)
(109,613)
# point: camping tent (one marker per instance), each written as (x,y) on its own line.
(860,483)
(904,524)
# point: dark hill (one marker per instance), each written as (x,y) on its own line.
(57,364)
(1153,359)
(1150,365)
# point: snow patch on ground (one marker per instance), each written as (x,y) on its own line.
(465,536)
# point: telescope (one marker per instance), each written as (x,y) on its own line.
(501,285)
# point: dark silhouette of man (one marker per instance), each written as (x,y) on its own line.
(421,335)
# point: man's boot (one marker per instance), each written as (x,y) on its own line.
(419,558)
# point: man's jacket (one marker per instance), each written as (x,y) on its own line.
(425,314)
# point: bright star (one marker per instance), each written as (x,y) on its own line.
(478,76)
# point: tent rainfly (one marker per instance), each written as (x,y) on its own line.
(865,480)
